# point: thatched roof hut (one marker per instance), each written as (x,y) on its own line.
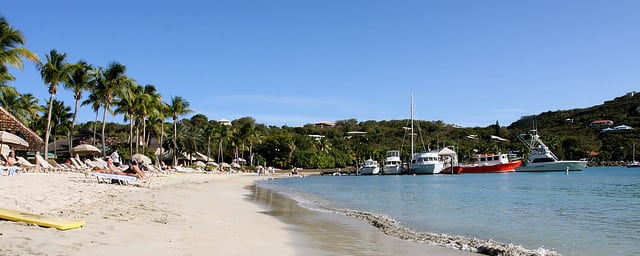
(11,124)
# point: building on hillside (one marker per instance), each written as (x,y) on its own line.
(10,123)
(604,122)
(224,122)
(324,124)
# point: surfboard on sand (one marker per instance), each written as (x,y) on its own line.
(61,224)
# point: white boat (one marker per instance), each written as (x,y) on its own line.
(369,167)
(634,163)
(426,163)
(423,162)
(541,159)
(392,164)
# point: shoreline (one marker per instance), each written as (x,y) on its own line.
(184,214)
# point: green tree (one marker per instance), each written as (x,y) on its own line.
(109,81)
(79,80)
(54,71)
(11,52)
(179,107)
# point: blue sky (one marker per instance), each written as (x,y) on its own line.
(468,62)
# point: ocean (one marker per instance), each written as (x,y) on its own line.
(592,212)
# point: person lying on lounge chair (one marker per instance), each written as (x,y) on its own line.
(111,168)
(134,170)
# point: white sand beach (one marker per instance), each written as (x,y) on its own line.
(179,214)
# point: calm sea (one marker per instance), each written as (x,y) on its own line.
(592,212)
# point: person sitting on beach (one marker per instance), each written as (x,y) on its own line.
(11,164)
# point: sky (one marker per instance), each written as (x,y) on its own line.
(293,62)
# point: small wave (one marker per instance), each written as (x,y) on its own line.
(394,228)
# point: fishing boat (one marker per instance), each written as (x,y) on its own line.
(487,163)
(634,163)
(423,162)
(541,159)
(392,164)
(369,167)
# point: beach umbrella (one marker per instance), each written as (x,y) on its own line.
(85,149)
(200,164)
(235,165)
(10,138)
(225,165)
(212,163)
(141,158)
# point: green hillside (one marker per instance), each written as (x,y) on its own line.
(572,135)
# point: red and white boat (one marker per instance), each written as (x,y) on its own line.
(486,163)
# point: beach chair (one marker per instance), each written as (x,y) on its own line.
(59,167)
(119,179)
(153,169)
(26,165)
(44,164)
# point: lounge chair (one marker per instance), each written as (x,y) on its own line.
(120,179)
(44,164)
(26,165)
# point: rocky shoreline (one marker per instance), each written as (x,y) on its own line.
(394,228)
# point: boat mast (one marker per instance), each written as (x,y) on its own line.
(411,124)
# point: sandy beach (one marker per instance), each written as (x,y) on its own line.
(179,214)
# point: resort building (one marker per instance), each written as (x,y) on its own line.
(224,122)
(602,123)
(325,124)
(11,124)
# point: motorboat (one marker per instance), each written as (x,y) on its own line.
(426,163)
(392,164)
(541,159)
(487,163)
(423,162)
(369,167)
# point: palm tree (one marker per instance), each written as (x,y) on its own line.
(149,104)
(109,81)
(79,80)
(9,98)
(179,107)
(10,51)
(28,108)
(95,98)
(53,72)
(126,105)
(60,120)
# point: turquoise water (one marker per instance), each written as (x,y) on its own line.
(593,212)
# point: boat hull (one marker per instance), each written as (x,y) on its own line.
(432,168)
(392,170)
(497,168)
(557,166)
(369,171)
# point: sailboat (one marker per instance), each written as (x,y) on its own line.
(634,163)
(423,162)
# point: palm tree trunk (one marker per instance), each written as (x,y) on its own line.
(73,124)
(46,136)
(161,140)
(137,137)
(130,134)
(208,147)
(104,124)
(95,125)
(144,133)
(175,140)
